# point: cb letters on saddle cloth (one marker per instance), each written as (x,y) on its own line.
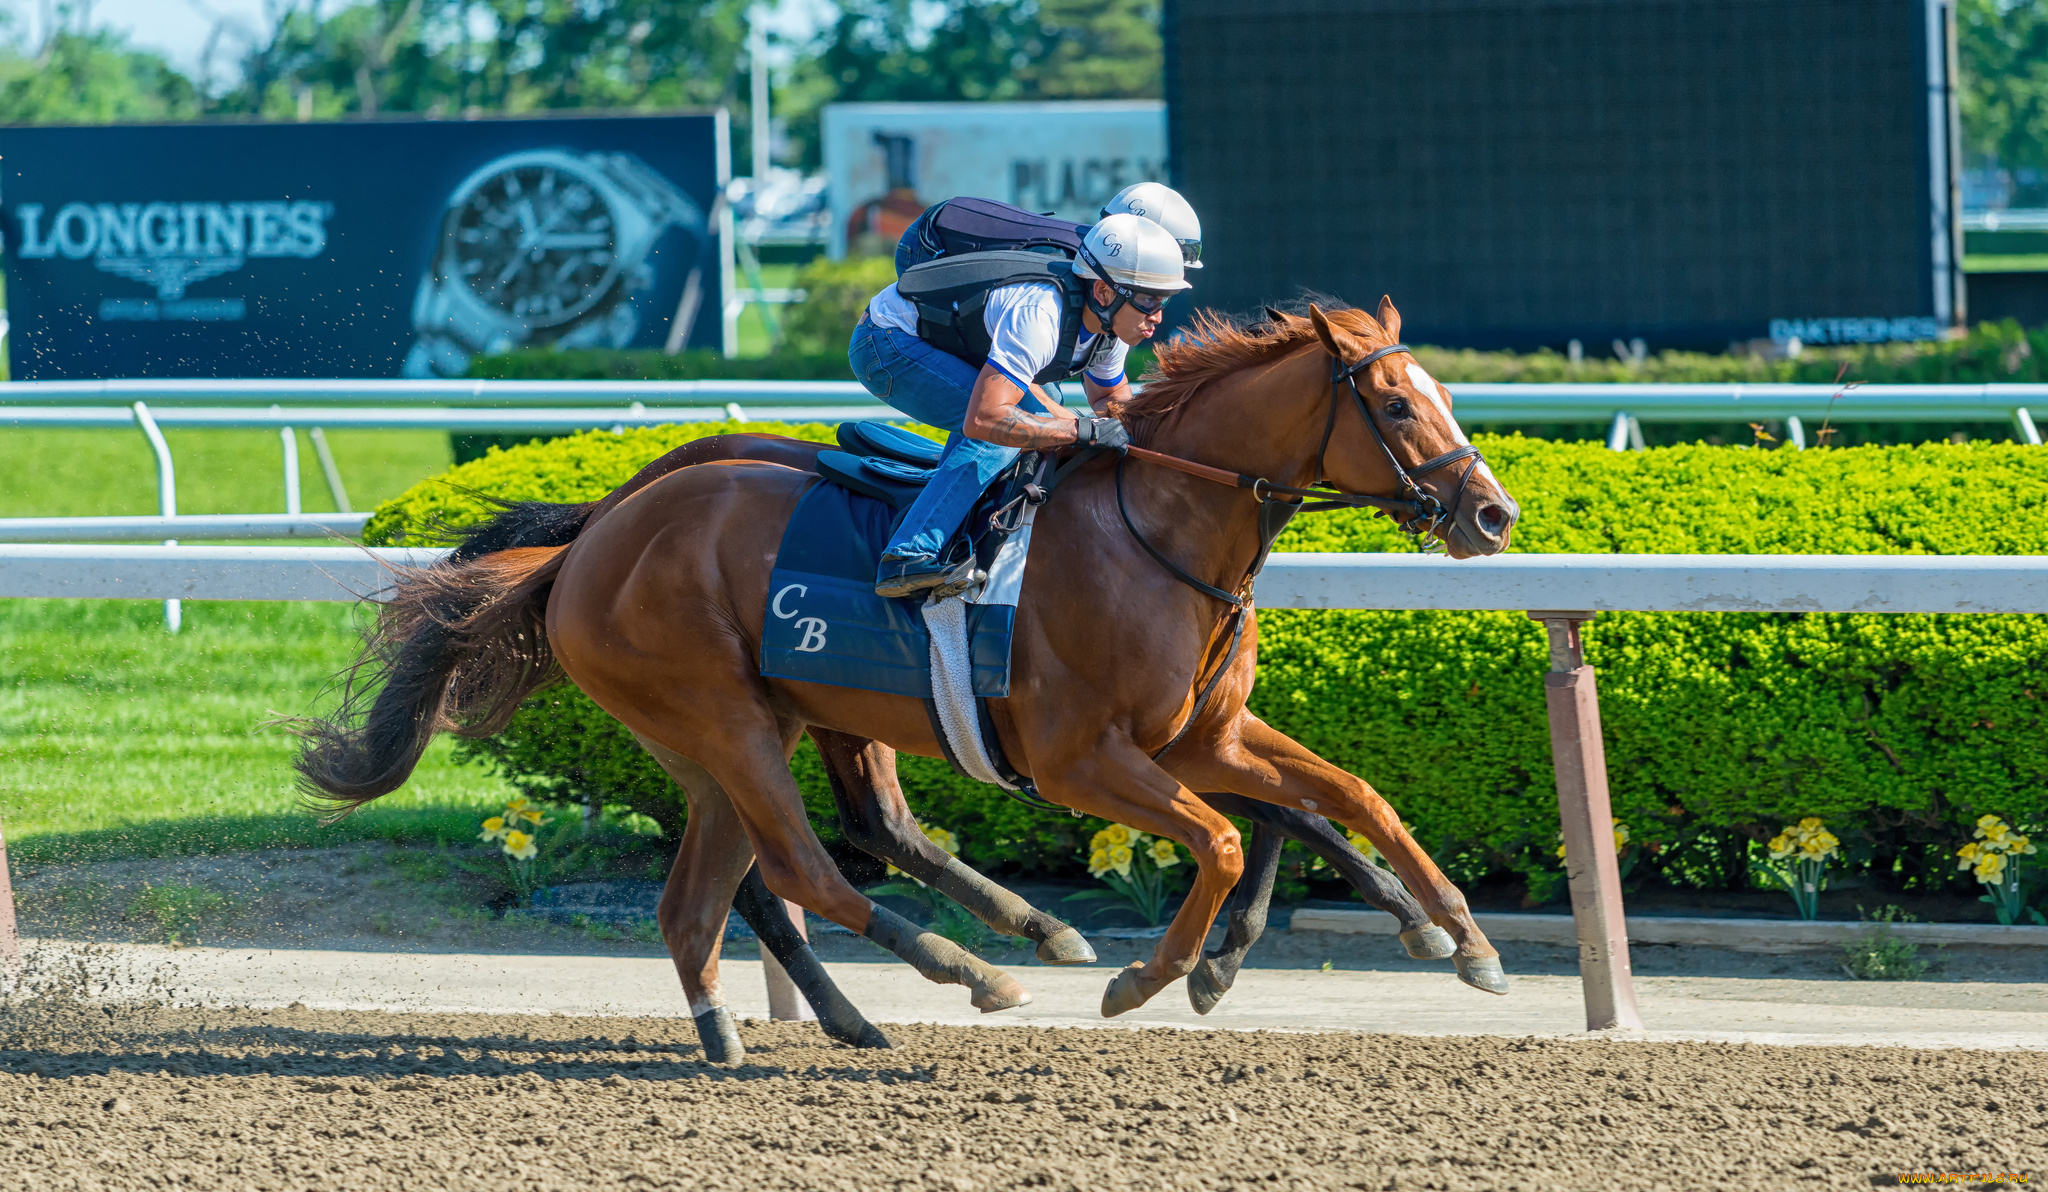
(824,623)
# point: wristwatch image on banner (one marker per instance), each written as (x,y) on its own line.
(548,247)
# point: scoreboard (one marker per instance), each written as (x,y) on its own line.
(1519,173)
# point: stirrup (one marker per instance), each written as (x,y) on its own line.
(959,580)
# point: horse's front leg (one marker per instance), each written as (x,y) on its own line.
(1116,781)
(1382,890)
(875,817)
(1256,760)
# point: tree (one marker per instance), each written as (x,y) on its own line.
(80,77)
(1099,49)
(2003,45)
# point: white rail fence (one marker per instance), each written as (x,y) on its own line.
(1564,590)
(1596,583)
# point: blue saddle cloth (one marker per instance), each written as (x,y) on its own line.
(824,623)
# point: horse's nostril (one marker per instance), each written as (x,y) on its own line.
(1493,518)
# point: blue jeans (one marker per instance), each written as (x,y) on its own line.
(934,388)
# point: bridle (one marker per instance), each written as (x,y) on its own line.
(1414,510)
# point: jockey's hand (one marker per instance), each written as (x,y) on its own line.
(1101,432)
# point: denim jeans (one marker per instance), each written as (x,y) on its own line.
(933,387)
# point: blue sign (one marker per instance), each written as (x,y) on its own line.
(358,249)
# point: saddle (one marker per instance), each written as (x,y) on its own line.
(892,465)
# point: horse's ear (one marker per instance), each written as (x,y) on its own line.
(1277,318)
(1336,341)
(1390,318)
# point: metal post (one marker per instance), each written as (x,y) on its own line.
(1590,866)
(333,473)
(166,497)
(1617,432)
(10,936)
(757,94)
(2023,422)
(785,1004)
(290,438)
(1795,433)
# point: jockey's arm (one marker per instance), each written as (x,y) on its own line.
(1099,396)
(996,414)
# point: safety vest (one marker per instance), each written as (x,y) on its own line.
(951,294)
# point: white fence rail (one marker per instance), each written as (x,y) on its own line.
(1651,583)
(190,525)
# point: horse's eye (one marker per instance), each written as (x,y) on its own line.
(1397,408)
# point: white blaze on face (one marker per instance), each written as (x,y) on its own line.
(1442,401)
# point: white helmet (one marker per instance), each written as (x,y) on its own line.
(1131,252)
(1162,205)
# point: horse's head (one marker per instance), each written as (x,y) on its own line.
(1399,423)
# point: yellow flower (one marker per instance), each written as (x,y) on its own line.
(1120,859)
(1098,862)
(494,828)
(1991,868)
(2020,844)
(1967,855)
(1164,854)
(1987,823)
(515,807)
(946,841)
(1781,846)
(1810,824)
(1113,835)
(519,846)
(532,817)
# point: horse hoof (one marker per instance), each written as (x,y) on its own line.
(1068,947)
(720,1036)
(1428,942)
(1124,993)
(1482,972)
(1006,994)
(871,1036)
(858,1033)
(1206,986)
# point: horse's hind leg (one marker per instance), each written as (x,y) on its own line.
(1244,918)
(875,817)
(712,859)
(751,762)
(1380,889)
(765,914)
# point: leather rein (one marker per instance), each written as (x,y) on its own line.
(1424,514)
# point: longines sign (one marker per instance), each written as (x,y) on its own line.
(360,249)
(169,246)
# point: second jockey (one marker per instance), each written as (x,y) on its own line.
(1125,270)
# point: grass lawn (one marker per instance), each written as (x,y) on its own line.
(118,739)
(88,472)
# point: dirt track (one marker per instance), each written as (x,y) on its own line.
(133,1098)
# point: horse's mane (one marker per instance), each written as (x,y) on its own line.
(1216,344)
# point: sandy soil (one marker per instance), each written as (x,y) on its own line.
(140,1097)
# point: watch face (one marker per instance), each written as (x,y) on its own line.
(535,240)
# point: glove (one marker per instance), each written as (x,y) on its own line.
(1102,432)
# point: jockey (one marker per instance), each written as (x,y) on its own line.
(1126,269)
(1164,206)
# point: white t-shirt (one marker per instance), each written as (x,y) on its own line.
(1023,324)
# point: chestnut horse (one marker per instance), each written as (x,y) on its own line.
(875,817)
(655,611)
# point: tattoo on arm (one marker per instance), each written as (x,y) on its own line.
(1016,427)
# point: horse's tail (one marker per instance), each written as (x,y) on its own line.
(456,648)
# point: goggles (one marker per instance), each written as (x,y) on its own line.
(1190,252)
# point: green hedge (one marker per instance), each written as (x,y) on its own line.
(1897,729)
